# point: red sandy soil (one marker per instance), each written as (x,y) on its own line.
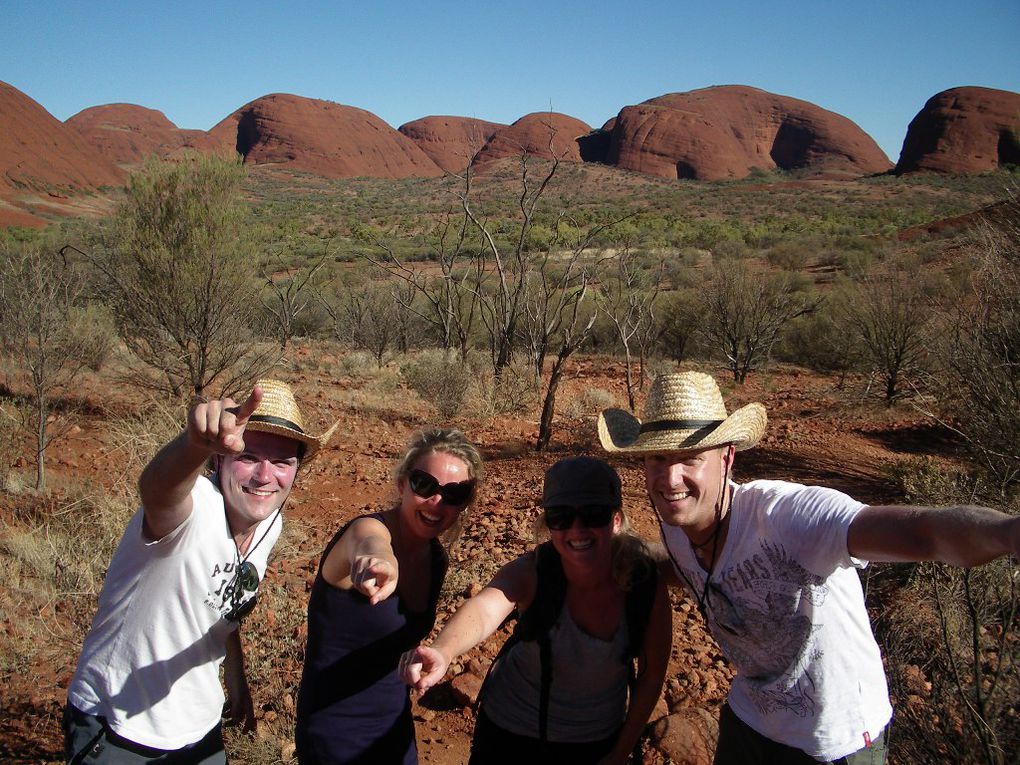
(816,434)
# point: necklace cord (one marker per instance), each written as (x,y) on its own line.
(702,599)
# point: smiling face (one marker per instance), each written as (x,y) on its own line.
(589,548)
(685,487)
(257,482)
(428,517)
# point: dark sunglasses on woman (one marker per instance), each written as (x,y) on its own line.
(561,517)
(426,485)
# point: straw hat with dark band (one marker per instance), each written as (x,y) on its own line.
(684,412)
(278,413)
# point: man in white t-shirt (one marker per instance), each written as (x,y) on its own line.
(187,570)
(771,566)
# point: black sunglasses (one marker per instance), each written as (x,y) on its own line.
(425,485)
(246,579)
(561,517)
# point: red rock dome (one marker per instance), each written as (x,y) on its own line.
(38,151)
(541,134)
(127,133)
(43,162)
(322,137)
(450,142)
(726,131)
(963,130)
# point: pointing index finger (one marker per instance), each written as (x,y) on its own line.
(247,409)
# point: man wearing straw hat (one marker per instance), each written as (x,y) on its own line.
(185,573)
(771,564)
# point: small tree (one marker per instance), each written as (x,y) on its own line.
(745,313)
(177,273)
(890,314)
(363,315)
(288,293)
(43,330)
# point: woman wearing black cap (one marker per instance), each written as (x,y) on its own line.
(564,687)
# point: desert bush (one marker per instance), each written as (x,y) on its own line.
(977,351)
(176,271)
(950,637)
(439,378)
(792,254)
(745,314)
(589,402)
(513,392)
(357,364)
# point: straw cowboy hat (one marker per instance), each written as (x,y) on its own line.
(278,413)
(684,412)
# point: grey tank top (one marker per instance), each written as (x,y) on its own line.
(588,698)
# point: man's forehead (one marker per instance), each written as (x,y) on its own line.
(680,456)
(270,444)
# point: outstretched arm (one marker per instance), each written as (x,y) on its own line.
(214,427)
(962,536)
(651,673)
(513,585)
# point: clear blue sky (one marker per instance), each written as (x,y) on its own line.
(873,61)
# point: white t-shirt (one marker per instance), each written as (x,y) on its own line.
(150,663)
(787,609)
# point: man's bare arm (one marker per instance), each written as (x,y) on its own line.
(966,535)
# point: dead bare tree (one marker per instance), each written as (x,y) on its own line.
(978,351)
(291,293)
(362,315)
(451,298)
(503,301)
(627,295)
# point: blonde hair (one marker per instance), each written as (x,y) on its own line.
(446,441)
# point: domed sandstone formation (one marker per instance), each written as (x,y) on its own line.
(727,131)
(39,152)
(963,130)
(450,142)
(128,133)
(546,135)
(322,137)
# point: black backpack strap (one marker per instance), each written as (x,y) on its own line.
(644,583)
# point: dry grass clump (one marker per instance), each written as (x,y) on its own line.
(53,558)
(439,378)
(360,365)
(515,391)
(588,403)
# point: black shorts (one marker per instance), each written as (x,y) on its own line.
(88,740)
(493,745)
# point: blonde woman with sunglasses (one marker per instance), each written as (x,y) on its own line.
(375,596)
(564,687)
